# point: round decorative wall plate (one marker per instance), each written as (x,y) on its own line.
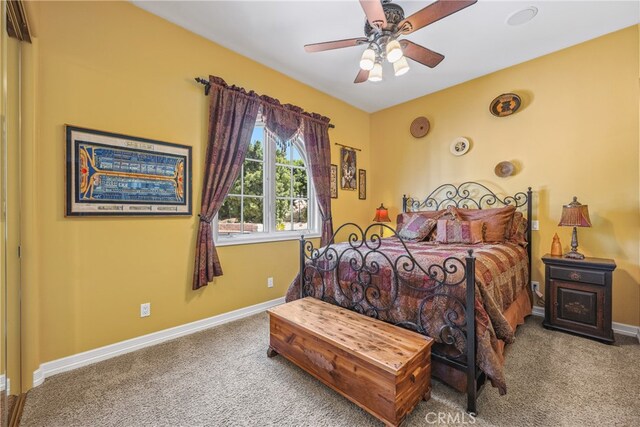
(504,169)
(505,105)
(459,146)
(420,127)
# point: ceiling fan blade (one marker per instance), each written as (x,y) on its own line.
(375,13)
(336,44)
(362,76)
(421,54)
(432,13)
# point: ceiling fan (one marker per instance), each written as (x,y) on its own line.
(384,25)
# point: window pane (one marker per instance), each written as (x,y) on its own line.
(300,183)
(296,157)
(283,152)
(256,148)
(229,216)
(253,215)
(253,178)
(300,208)
(283,181)
(283,215)
(236,188)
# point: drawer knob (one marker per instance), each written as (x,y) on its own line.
(574,275)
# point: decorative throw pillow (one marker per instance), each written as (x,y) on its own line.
(417,228)
(518,230)
(469,232)
(404,218)
(496,220)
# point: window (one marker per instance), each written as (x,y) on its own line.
(272,198)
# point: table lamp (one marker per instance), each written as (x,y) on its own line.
(382,215)
(575,215)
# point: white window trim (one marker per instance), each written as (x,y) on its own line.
(269,189)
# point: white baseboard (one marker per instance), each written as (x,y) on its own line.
(75,361)
(3,384)
(618,328)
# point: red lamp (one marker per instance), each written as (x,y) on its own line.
(382,215)
(575,214)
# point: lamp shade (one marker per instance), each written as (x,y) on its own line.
(382,214)
(394,51)
(375,75)
(575,214)
(400,67)
(368,59)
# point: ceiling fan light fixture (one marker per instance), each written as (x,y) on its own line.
(400,67)
(394,51)
(375,75)
(368,59)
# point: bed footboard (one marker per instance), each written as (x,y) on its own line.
(361,275)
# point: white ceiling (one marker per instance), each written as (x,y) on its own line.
(475,41)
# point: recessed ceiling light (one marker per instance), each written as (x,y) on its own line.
(522,16)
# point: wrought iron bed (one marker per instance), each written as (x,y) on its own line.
(364,296)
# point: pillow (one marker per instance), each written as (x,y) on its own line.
(496,220)
(417,228)
(517,232)
(403,218)
(469,232)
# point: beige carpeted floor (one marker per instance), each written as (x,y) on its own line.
(222,377)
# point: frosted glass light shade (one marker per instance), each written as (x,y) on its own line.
(401,66)
(368,59)
(375,75)
(394,52)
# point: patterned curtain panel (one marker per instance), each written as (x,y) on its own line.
(318,148)
(232,117)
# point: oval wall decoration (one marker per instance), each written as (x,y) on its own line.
(420,127)
(505,105)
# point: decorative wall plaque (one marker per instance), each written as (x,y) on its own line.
(420,127)
(505,105)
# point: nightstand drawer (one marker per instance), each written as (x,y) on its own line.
(577,275)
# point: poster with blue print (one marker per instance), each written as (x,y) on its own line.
(113,174)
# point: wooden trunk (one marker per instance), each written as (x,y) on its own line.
(382,368)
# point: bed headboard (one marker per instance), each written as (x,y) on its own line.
(472,195)
(469,195)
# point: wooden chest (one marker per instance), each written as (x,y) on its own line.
(382,368)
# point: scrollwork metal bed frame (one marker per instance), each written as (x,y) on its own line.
(363,296)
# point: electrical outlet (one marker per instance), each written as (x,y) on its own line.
(145,309)
(535,286)
(269,282)
(535,225)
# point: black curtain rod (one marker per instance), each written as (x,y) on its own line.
(207,88)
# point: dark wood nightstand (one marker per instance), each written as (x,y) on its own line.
(578,296)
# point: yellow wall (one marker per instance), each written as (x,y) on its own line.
(114,67)
(577,134)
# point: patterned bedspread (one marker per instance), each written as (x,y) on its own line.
(427,294)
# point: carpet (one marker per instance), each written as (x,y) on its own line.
(222,377)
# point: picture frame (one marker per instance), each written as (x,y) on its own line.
(334,181)
(110,174)
(362,184)
(348,178)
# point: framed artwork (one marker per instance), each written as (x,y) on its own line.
(362,184)
(112,174)
(348,169)
(334,181)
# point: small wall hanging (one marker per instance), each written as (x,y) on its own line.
(504,169)
(420,127)
(348,179)
(459,146)
(362,184)
(505,105)
(334,181)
